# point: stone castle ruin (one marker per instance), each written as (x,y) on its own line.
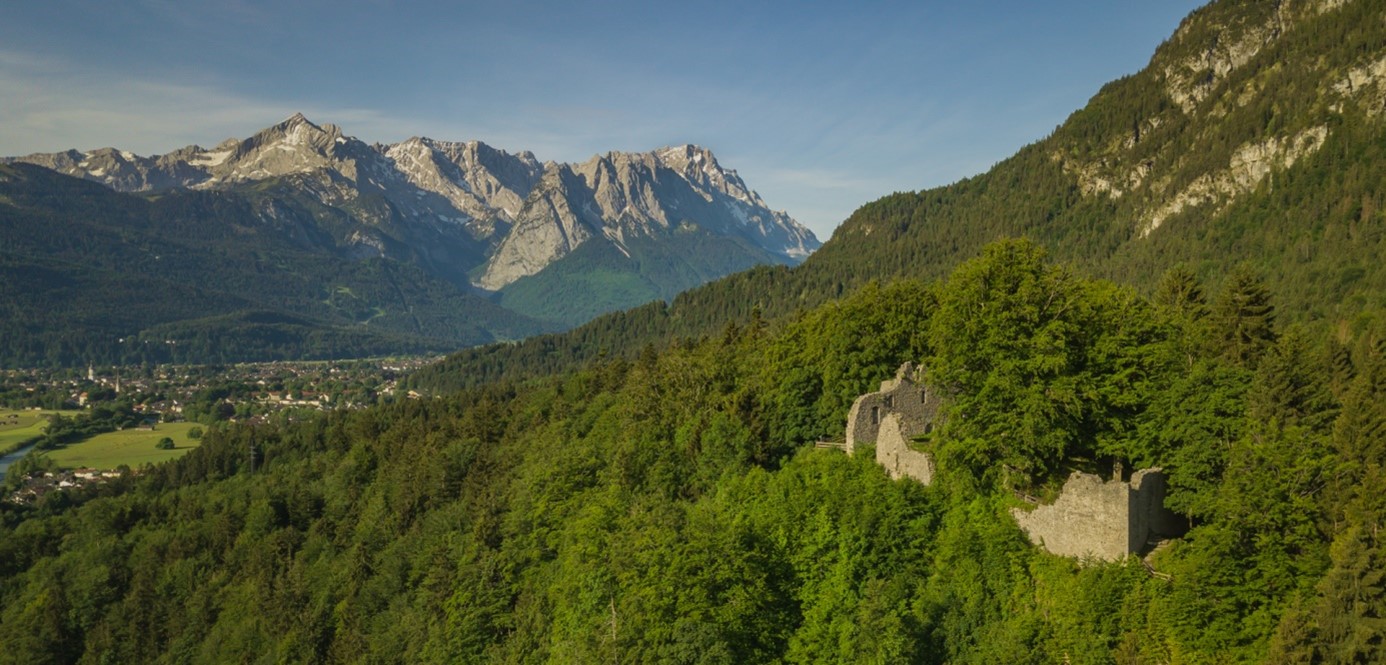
(902,409)
(1102,520)
(1091,518)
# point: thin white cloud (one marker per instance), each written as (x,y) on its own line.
(49,106)
(819,179)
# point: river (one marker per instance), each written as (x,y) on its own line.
(13,457)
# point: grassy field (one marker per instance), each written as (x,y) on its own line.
(25,425)
(132,447)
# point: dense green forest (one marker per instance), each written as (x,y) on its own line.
(645,488)
(672,509)
(1315,225)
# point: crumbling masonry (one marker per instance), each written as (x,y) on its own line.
(1102,520)
(1091,518)
(902,409)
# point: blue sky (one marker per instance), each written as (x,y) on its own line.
(821,107)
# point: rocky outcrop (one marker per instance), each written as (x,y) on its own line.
(1249,166)
(1220,73)
(1366,85)
(620,196)
(1189,80)
(1212,49)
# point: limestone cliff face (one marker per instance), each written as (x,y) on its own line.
(556,218)
(487,185)
(620,196)
(1249,166)
(1222,129)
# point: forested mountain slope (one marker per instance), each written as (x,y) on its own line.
(92,275)
(672,509)
(1256,134)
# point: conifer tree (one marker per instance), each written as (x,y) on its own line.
(1180,291)
(1243,317)
(1290,389)
(1340,359)
(1359,434)
(1351,614)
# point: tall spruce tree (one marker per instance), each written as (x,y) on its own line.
(1292,389)
(1244,317)
(1180,291)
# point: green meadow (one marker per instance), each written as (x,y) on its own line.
(18,427)
(131,447)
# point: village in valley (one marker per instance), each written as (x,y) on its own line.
(236,393)
(130,407)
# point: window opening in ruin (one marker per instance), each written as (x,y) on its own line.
(923,395)
(875,415)
(890,401)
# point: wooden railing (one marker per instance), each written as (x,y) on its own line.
(1026,497)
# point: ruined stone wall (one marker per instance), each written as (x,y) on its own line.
(1104,520)
(905,396)
(863,421)
(1090,518)
(894,453)
(1143,490)
(1148,506)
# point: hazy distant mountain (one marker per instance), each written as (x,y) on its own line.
(481,216)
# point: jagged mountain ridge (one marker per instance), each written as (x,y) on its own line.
(493,215)
(618,196)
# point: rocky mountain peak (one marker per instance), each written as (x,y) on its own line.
(681,156)
(699,165)
(298,135)
(619,196)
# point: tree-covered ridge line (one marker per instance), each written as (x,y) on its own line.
(1314,229)
(89,275)
(670,508)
